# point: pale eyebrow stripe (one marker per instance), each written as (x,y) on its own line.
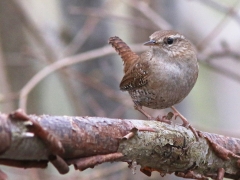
(177,36)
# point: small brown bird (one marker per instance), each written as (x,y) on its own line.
(162,76)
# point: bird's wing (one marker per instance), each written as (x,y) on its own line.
(135,77)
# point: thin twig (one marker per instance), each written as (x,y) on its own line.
(50,52)
(33,30)
(144,8)
(207,61)
(223,71)
(101,87)
(83,34)
(96,107)
(217,29)
(221,8)
(68,61)
(97,12)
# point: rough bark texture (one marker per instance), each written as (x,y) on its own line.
(33,141)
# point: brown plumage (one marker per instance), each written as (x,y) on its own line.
(162,76)
(124,51)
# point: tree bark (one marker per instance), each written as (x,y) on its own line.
(33,141)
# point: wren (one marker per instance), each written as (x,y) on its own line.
(162,76)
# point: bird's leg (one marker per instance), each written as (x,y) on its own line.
(166,119)
(178,114)
(139,108)
(185,121)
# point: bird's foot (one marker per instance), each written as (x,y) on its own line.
(139,108)
(185,122)
(165,119)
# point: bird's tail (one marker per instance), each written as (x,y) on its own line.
(127,55)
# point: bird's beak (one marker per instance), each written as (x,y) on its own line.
(150,43)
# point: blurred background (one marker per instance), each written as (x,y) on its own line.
(37,33)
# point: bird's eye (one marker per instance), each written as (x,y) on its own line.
(169,40)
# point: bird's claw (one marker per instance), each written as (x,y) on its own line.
(165,119)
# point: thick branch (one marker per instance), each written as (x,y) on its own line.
(33,141)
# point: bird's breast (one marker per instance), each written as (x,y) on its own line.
(168,84)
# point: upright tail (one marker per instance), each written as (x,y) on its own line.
(127,55)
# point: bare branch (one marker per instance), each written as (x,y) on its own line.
(33,141)
(83,34)
(216,31)
(155,18)
(226,52)
(101,13)
(221,8)
(68,61)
